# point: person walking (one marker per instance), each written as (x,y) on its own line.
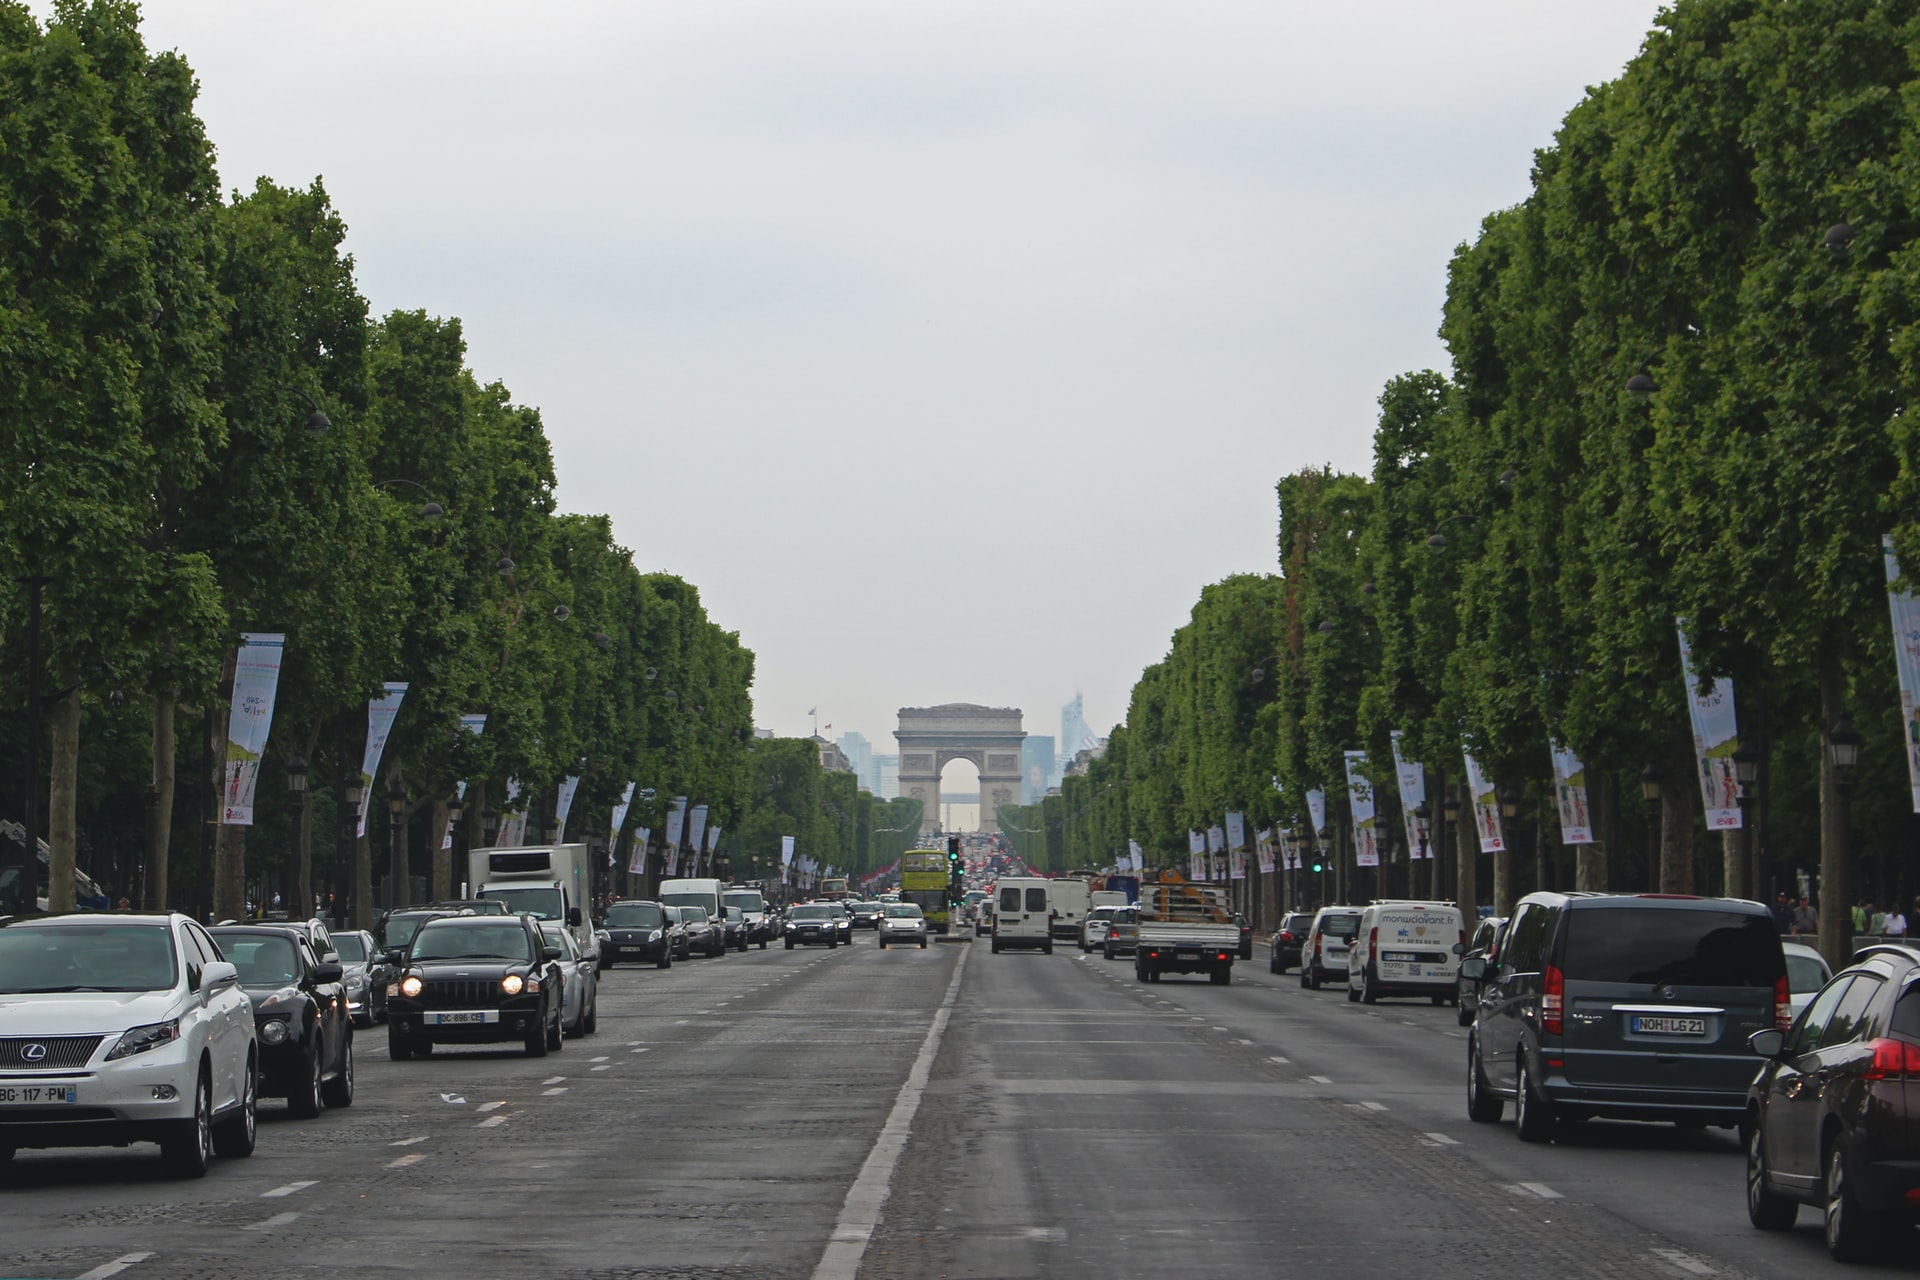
(1894,925)
(1860,917)
(1783,914)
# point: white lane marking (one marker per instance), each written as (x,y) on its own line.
(289,1189)
(1321,1079)
(603,1068)
(114,1268)
(1685,1262)
(1281,1062)
(1243,1042)
(599,1059)
(553,1093)
(1219,1028)
(1372,1106)
(632,1043)
(408,1142)
(495,1106)
(269,1224)
(860,1214)
(638,1051)
(491,1122)
(558,1079)
(415,1158)
(1538,1190)
(1440,1140)
(681,1023)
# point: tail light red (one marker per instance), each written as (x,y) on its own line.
(1553,991)
(1782,1003)
(1893,1060)
(1373,944)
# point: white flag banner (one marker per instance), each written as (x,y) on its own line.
(1906,662)
(713,837)
(1289,848)
(1570,785)
(1216,853)
(1263,849)
(1135,860)
(568,788)
(1196,851)
(460,794)
(1412,777)
(1236,831)
(256,680)
(637,856)
(1237,864)
(676,823)
(513,822)
(1317,811)
(380,715)
(1486,808)
(620,814)
(1716,736)
(696,832)
(786,851)
(1366,841)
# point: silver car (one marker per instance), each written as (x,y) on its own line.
(579,983)
(903,922)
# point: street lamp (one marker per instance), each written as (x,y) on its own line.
(1836,939)
(397,842)
(347,858)
(430,509)
(1650,792)
(1421,814)
(1839,238)
(1640,386)
(302,838)
(1746,771)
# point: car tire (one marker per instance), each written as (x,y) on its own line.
(789,944)
(923,944)
(1483,1105)
(1246,952)
(1220,977)
(665,961)
(1464,1017)
(1532,1115)
(1853,1234)
(883,944)
(305,1101)
(606,965)
(1438,1001)
(187,1147)
(338,1091)
(6,1154)
(422,1047)
(591,1023)
(1311,981)
(996,946)
(557,1032)
(1353,994)
(1767,1209)
(537,1041)
(235,1136)
(399,1045)
(1109,951)
(763,944)
(1046,948)
(1273,964)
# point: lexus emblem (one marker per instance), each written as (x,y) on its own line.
(32,1052)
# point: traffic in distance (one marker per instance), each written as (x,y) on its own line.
(143,1032)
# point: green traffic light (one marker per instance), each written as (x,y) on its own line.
(1316,868)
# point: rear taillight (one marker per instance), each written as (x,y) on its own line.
(1893,1060)
(1553,992)
(1463,942)
(1316,948)
(1373,944)
(1782,1003)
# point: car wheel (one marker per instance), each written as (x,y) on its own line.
(996,946)
(923,944)
(1853,1233)
(1532,1114)
(1353,993)
(577,1027)
(557,1032)
(665,961)
(591,1022)
(1767,1209)
(1220,977)
(537,1041)
(789,944)
(883,944)
(1438,1001)
(1483,1107)
(763,944)
(399,1045)
(1109,951)
(339,1090)
(304,1100)
(1311,981)
(1046,948)
(235,1135)
(606,965)
(1273,964)
(6,1154)
(188,1147)
(1464,1017)
(1246,952)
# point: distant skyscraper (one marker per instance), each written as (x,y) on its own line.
(1036,768)
(860,756)
(1074,734)
(886,772)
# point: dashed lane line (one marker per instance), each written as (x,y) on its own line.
(274,1223)
(491,1122)
(108,1269)
(408,1142)
(1321,1079)
(553,1092)
(1440,1140)
(289,1189)
(495,1106)
(1683,1261)
(407,1160)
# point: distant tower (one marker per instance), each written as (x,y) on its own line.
(1074,735)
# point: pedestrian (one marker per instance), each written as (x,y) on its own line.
(1876,919)
(1894,925)
(124,905)
(1783,914)
(1805,918)
(1860,917)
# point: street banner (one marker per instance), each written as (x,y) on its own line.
(1263,849)
(1570,785)
(637,855)
(1196,850)
(1317,812)
(380,714)
(1290,858)
(1237,864)
(1716,736)
(676,822)
(1134,858)
(256,679)
(568,787)
(1906,661)
(474,722)
(1366,841)
(1216,853)
(1412,777)
(1236,831)
(696,832)
(513,822)
(1486,808)
(786,851)
(620,815)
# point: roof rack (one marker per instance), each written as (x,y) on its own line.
(1906,950)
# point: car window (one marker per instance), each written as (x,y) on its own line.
(812,913)
(1009,899)
(1527,941)
(1805,973)
(903,911)
(87,957)
(492,942)
(1849,1021)
(1341,924)
(633,917)
(1036,899)
(1805,1034)
(1906,1014)
(205,949)
(352,948)
(1651,946)
(263,959)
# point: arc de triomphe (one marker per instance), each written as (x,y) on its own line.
(930,737)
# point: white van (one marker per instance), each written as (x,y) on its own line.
(1323,957)
(1406,948)
(1071,902)
(710,894)
(1023,913)
(1107,898)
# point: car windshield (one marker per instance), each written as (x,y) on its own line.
(86,957)
(262,959)
(693,915)
(1650,946)
(471,942)
(400,929)
(541,904)
(641,916)
(746,901)
(812,913)
(1341,926)
(555,937)
(1805,973)
(351,948)
(903,911)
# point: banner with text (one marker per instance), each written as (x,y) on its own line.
(637,852)
(1906,662)
(1412,777)
(1570,785)
(1486,808)
(380,715)
(1716,736)
(564,806)
(1366,841)
(1317,813)
(256,681)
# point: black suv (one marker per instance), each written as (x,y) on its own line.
(300,1015)
(1634,1007)
(638,930)
(1829,1118)
(476,980)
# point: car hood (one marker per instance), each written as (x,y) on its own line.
(262,995)
(80,1012)
(431,969)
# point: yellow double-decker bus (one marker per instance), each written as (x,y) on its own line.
(924,882)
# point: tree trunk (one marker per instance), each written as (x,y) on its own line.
(440,831)
(160,808)
(399,880)
(63,829)
(1733,862)
(1590,860)
(1466,853)
(1836,871)
(303,899)
(1679,795)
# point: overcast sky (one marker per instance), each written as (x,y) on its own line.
(949,348)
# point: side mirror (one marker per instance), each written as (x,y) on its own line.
(217,974)
(1768,1043)
(328,971)
(550,953)
(573,916)
(396,956)
(1473,968)
(1459,948)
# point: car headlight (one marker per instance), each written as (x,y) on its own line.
(411,985)
(141,1039)
(513,984)
(274,1031)
(654,936)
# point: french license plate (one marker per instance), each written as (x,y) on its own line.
(1649,1026)
(37,1094)
(1187,955)
(1402,957)
(463,1019)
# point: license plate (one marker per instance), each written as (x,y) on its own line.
(1401,957)
(1188,955)
(1670,1026)
(463,1019)
(37,1094)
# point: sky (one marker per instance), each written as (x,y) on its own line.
(948,348)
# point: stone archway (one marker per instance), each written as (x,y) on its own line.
(931,737)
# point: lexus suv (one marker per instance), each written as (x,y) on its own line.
(124,1028)
(476,980)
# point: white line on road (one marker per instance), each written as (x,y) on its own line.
(408,1142)
(491,1122)
(1219,1028)
(860,1214)
(1540,1190)
(495,1106)
(115,1267)
(1321,1079)
(1440,1139)
(1673,1257)
(406,1160)
(636,1050)
(599,1059)
(1243,1042)
(551,1080)
(603,1068)
(1281,1062)
(269,1224)
(288,1190)
(553,1093)
(1373,1106)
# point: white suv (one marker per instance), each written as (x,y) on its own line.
(124,1028)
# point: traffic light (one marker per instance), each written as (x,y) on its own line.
(1316,868)
(953,850)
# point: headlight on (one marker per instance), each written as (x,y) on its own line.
(513,984)
(141,1039)
(273,1031)
(411,985)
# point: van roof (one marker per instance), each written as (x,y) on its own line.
(1663,901)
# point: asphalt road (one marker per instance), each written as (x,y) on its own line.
(938,1113)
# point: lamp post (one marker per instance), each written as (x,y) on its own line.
(1746,771)
(1503,858)
(1420,816)
(1320,838)
(397,893)
(302,838)
(1836,932)
(1650,792)
(448,859)
(355,873)
(1465,888)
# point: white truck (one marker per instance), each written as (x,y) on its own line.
(1185,928)
(1071,902)
(548,882)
